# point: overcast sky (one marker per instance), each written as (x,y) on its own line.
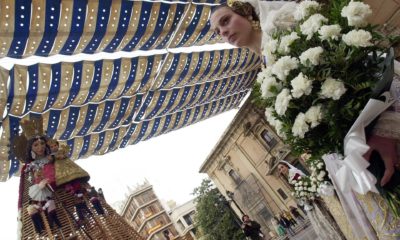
(169,162)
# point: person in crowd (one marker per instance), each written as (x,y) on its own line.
(251,229)
(50,207)
(34,212)
(100,192)
(94,199)
(286,224)
(245,23)
(296,214)
(81,207)
(289,171)
(279,229)
(289,216)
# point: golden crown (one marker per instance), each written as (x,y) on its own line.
(32,127)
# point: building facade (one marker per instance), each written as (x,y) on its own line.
(243,165)
(144,211)
(183,218)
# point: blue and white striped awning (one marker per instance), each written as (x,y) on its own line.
(48,27)
(99,106)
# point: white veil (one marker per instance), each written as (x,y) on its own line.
(292,170)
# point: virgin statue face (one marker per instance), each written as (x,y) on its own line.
(232,27)
(39,147)
(283,169)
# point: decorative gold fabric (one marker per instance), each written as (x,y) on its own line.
(386,226)
(66,170)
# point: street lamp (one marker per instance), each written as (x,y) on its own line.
(230,195)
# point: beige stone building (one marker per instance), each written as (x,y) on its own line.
(244,162)
(145,213)
(183,216)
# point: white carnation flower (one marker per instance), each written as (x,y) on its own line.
(304,8)
(270,118)
(332,88)
(313,55)
(268,51)
(313,179)
(320,165)
(321,175)
(279,129)
(261,76)
(282,101)
(270,45)
(286,41)
(301,85)
(270,59)
(300,126)
(329,32)
(266,86)
(275,122)
(358,38)
(283,67)
(314,115)
(356,13)
(312,24)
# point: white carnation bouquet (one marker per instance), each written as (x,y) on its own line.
(318,77)
(307,187)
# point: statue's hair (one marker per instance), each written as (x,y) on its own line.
(52,141)
(243,9)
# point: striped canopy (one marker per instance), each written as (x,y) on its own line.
(99,106)
(48,27)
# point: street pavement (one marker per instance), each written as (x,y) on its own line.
(306,234)
(302,234)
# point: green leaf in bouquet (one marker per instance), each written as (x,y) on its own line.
(394,39)
(315,101)
(274,89)
(387,75)
(361,86)
(377,36)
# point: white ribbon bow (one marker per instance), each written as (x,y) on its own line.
(352,173)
